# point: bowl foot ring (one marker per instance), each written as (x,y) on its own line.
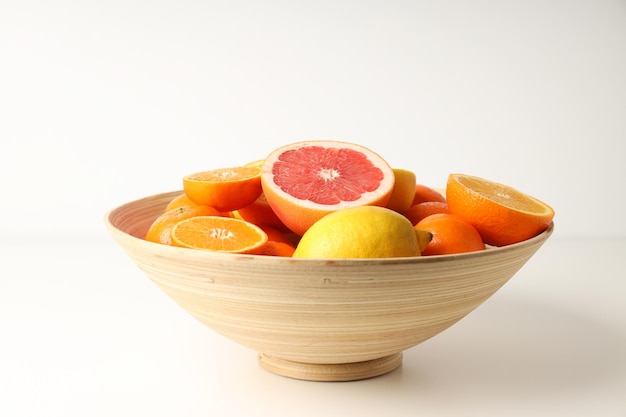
(331,372)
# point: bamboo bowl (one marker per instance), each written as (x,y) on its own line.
(323,320)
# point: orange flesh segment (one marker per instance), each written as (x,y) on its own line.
(504,195)
(217,233)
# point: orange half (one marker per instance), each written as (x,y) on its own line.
(217,233)
(160,229)
(226,189)
(501,214)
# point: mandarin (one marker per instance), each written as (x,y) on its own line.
(421,210)
(275,234)
(260,213)
(450,234)
(179,201)
(425,193)
(275,248)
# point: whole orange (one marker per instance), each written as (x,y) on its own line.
(421,210)
(425,193)
(451,234)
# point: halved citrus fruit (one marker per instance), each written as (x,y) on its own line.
(501,214)
(217,233)
(160,229)
(304,181)
(226,189)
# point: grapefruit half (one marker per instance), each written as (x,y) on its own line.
(304,181)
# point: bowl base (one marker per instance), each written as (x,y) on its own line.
(331,372)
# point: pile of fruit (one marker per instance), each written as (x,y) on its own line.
(330,199)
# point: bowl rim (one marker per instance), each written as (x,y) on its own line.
(274,260)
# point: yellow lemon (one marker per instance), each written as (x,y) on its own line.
(362,232)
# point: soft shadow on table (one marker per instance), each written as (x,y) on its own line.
(509,345)
(528,346)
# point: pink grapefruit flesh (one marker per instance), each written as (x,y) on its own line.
(304,181)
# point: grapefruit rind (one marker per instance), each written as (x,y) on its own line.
(299,214)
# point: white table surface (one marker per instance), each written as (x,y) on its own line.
(85,333)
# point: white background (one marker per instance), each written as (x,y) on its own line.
(103,102)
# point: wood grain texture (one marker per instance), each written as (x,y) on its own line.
(330,320)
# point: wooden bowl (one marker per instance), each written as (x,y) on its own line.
(324,320)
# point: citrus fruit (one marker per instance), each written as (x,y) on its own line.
(425,193)
(304,181)
(360,232)
(226,189)
(159,230)
(275,248)
(257,163)
(403,190)
(217,233)
(423,238)
(501,214)
(450,234)
(260,213)
(419,211)
(179,201)
(275,234)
